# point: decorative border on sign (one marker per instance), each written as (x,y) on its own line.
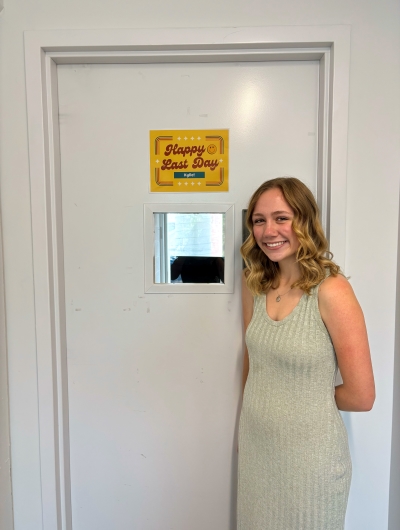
(218,182)
(157,178)
(221,142)
(161,139)
(157,142)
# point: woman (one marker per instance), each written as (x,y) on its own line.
(302,321)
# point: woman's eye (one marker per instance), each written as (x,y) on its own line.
(282,219)
(257,221)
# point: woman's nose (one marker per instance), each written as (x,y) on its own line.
(269,228)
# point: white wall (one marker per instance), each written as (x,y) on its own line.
(6,516)
(394,505)
(372,204)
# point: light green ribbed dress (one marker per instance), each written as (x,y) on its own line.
(294,461)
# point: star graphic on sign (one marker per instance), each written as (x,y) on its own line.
(199,183)
(185,138)
(192,183)
(221,160)
(186,184)
(192,138)
(179,184)
(157,161)
(199,138)
(179,137)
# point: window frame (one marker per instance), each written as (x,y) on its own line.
(185,288)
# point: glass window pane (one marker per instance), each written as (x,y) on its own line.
(189,247)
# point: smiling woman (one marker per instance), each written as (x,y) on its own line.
(302,322)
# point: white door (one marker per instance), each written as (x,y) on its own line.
(154,379)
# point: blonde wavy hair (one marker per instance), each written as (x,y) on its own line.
(313,255)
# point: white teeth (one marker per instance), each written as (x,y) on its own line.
(275,244)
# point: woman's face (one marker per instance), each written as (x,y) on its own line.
(272,227)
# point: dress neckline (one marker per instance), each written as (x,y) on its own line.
(287,317)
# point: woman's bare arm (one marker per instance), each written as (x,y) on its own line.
(345,323)
(247,305)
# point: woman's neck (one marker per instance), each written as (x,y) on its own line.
(289,273)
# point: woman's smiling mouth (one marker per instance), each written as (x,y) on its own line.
(278,244)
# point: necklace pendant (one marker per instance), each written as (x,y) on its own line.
(278,298)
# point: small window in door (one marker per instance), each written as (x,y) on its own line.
(189,248)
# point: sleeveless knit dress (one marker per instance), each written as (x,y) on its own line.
(294,461)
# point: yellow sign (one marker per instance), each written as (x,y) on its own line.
(189,161)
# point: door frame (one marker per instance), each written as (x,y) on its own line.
(44,50)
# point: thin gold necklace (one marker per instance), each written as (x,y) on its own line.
(278,298)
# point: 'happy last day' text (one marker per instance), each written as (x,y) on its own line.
(197,163)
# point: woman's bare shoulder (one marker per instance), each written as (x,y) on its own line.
(336,292)
(335,286)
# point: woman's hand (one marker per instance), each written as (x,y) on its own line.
(345,323)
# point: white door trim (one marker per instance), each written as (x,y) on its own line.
(330,45)
(151,286)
